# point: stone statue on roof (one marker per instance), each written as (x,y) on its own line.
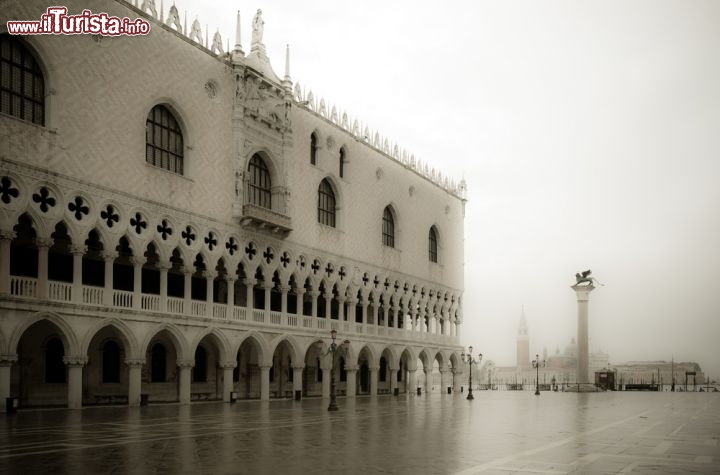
(258,27)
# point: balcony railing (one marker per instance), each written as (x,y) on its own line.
(27,287)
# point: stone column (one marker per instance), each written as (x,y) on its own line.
(284,289)
(185,368)
(583,296)
(314,294)
(75,372)
(412,380)
(364,302)
(163,267)
(43,246)
(374,370)
(264,383)
(457,380)
(397,316)
(77,253)
(209,292)
(134,380)
(6,362)
(227,369)
(444,383)
(386,314)
(351,383)
(297,378)
(299,293)
(250,295)
(137,262)
(341,308)
(230,279)
(109,258)
(413,319)
(351,309)
(428,380)
(188,272)
(393,379)
(328,304)
(6,237)
(268,291)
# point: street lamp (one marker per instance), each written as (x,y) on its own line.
(470,360)
(537,364)
(333,349)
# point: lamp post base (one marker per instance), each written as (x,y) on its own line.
(332,407)
(470,396)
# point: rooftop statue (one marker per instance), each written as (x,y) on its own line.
(258,26)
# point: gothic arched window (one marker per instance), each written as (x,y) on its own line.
(164,145)
(432,245)
(326,204)
(259,184)
(199,372)
(22,86)
(388,228)
(54,364)
(313,149)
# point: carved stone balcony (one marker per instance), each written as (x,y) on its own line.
(262,219)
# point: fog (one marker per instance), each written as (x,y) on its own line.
(588,133)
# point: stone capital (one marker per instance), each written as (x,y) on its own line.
(210,274)
(230,278)
(299,366)
(8,359)
(284,288)
(227,364)
(249,282)
(75,361)
(314,293)
(44,242)
(135,362)
(138,261)
(109,255)
(185,364)
(351,369)
(7,235)
(76,249)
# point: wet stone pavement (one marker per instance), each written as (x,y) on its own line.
(500,432)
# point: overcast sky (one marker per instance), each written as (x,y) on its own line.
(588,133)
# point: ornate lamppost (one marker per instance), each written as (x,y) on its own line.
(470,360)
(537,364)
(333,348)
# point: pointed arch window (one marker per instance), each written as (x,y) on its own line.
(54,366)
(164,146)
(388,228)
(341,159)
(313,149)
(326,204)
(22,86)
(259,184)
(111,362)
(158,364)
(432,245)
(199,371)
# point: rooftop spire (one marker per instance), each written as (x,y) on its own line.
(238,38)
(287,62)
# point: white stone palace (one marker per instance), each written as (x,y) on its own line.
(177,223)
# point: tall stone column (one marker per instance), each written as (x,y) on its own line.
(249,295)
(43,247)
(209,291)
(457,375)
(188,272)
(374,370)
(227,369)
(297,377)
(428,380)
(230,294)
(583,359)
(109,258)
(185,368)
(351,381)
(393,379)
(284,289)
(299,300)
(328,304)
(364,302)
(264,383)
(77,253)
(75,366)
(137,262)
(326,367)
(412,380)
(6,362)
(314,294)
(163,267)
(341,308)
(268,295)
(134,380)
